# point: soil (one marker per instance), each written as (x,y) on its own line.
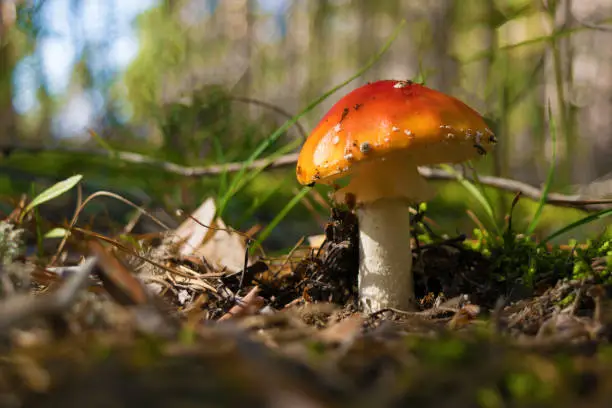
(292,335)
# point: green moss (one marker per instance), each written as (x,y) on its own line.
(527,387)
(521,260)
(568,300)
(584,257)
(446,351)
(489,398)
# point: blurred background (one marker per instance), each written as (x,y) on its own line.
(204,82)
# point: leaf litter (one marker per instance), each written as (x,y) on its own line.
(189,317)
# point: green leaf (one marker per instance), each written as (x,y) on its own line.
(583,221)
(549,179)
(52,192)
(477,194)
(56,233)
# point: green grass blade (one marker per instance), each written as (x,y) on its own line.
(253,173)
(261,200)
(549,179)
(103,143)
(483,191)
(583,221)
(52,192)
(477,194)
(233,188)
(532,41)
(279,217)
(223,177)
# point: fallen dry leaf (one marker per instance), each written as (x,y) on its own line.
(224,249)
(315,241)
(192,233)
(116,278)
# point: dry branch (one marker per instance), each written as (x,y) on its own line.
(274,108)
(135,158)
(526,190)
(504,184)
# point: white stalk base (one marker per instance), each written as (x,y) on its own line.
(385,256)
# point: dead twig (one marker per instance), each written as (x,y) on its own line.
(526,190)
(274,108)
(513,186)
(135,158)
(434,311)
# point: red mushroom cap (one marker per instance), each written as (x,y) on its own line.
(385,117)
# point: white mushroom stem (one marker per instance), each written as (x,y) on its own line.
(385,256)
(382,189)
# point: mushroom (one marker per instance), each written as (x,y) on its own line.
(378,134)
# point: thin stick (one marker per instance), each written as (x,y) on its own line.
(510,185)
(424,313)
(274,108)
(169,167)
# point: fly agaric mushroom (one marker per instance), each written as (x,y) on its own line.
(378,134)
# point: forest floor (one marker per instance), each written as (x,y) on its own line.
(287,332)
